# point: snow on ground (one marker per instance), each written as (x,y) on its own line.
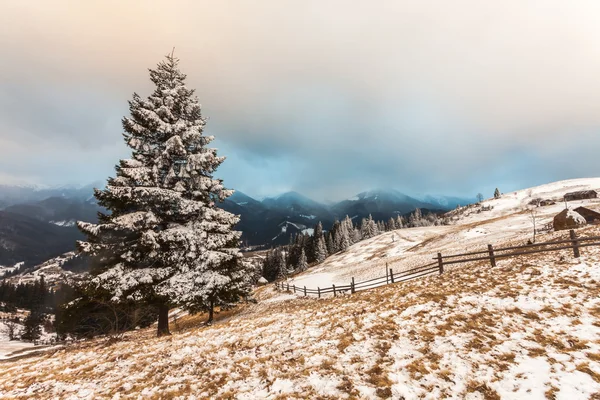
(5,270)
(64,223)
(7,348)
(527,329)
(508,221)
(16,348)
(51,270)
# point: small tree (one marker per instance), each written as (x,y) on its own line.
(321,249)
(533,219)
(497,193)
(32,329)
(479,197)
(11,328)
(302,263)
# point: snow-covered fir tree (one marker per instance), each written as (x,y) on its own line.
(371,227)
(344,237)
(356,236)
(391,225)
(280,265)
(320,248)
(329,243)
(349,229)
(302,262)
(165,242)
(400,222)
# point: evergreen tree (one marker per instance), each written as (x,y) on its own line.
(280,265)
(302,263)
(321,250)
(391,225)
(497,193)
(165,241)
(400,222)
(364,229)
(269,269)
(329,243)
(344,241)
(32,327)
(349,229)
(318,231)
(356,236)
(372,227)
(335,236)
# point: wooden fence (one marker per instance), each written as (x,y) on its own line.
(491,254)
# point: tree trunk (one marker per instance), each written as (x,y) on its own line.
(163,320)
(211,310)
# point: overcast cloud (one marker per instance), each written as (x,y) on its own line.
(328,98)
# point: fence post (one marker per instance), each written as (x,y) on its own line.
(352,286)
(386,274)
(319,291)
(573,236)
(440,263)
(294,286)
(333,286)
(304,291)
(391,275)
(288,286)
(492,258)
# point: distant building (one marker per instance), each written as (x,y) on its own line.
(591,216)
(581,195)
(568,219)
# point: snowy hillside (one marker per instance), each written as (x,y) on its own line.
(52,271)
(513,202)
(507,221)
(528,329)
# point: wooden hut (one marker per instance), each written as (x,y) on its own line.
(568,219)
(581,195)
(591,216)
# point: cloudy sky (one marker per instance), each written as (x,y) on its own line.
(328,98)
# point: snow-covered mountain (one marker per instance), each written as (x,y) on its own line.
(19,194)
(271,221)
(61,211)
(382,204)
(54,271)
(27,239)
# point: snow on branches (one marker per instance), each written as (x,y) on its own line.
(165,240)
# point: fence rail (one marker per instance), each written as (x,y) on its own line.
(574,243)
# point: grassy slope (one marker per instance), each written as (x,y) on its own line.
(529,328)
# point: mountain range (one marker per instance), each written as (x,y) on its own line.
(39,223)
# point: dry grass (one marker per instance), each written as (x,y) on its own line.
(356,338)
(487,392)
(585,368)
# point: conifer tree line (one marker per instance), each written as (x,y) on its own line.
(304,249)
(36,297)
